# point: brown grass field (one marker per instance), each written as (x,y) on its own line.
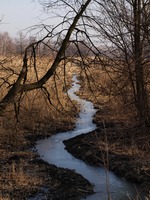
(40,117)
(124,143)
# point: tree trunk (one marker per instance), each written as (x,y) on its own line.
(20,86)
(141,97)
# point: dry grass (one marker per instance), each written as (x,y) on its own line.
(50,106)
(119,134)
(98,87)
(113,111)
(38,117)
(16,174)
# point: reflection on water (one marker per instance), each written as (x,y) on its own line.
(53,151)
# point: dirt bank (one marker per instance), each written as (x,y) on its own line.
(24,175)
(123,150)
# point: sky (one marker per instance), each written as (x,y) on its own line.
(17,15)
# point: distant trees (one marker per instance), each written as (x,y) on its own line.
(6,44)
(16,46)
(12,46)
(20,43)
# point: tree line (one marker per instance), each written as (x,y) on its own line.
(12,46)
(15,46)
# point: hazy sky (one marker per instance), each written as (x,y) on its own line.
(17,15)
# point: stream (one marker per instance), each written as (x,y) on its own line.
(53,151)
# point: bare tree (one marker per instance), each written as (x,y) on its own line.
(122,29)
(21,85)
(115,30)
(6,44)
(20,43)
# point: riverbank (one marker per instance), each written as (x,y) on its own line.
(119,148)
(119,144)
(24,175)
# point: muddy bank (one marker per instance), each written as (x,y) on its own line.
(124,151)
(51,183)
(24,175)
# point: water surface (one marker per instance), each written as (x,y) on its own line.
(53,151)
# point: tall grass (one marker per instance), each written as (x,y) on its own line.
(32,115)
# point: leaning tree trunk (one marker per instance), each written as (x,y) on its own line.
(20,86)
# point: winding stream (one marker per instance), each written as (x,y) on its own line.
(53,151)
